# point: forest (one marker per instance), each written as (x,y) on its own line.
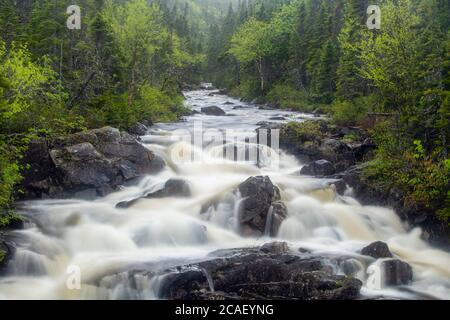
(131,60)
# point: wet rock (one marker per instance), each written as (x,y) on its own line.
(173,188)
(319,168)
(377,250)
(362,150)
(338,153)
(313,140)
(239,107)
(277,118)
(193,113)
(269,272)
(266,107)
(89,163)
(396,272)
(268,125)
(39,171)
(228,103)
(275,248)
(261,211)
(82,166)
(138,129)
(213,111)
(339,186)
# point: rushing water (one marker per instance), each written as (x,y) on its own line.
(101,241)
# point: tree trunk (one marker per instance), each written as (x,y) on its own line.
(261,74)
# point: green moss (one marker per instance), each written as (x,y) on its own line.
(295,132)
(2,255)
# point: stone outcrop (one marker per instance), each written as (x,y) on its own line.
(86,164)
(261,211)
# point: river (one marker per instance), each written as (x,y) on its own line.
(99,240)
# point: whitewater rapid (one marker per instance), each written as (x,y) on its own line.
(102,242)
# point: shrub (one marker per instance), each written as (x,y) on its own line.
(295,132)
(118,111)
(350,113)
(158,106)
(287,97)
(9,176)
(424,178)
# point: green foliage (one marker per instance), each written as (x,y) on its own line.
(8,218)
(286,96)
(150,105)
(423,178)
(423,181)
(9,175)
(299,132)
(351,113)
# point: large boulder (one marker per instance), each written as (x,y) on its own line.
(396,272)
(39,171)
(377,250)
(138,129)
(213,111)
(261,211)
(91,163)
(82,166)
(269,272)
(173,188)
(319,168)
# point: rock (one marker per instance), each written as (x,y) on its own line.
(193,113)
(268,125)
(277,118)
(319,168)
(228,103)
(82,166)
(396,272)
(261,198)
(338,153)
(138,129)
(88,164)
(239,107)
(172,188)
(339,186)
(361,150)
(311,141)
(39,170)
(275,248)
(377,250)
(213,111)
(269,272)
